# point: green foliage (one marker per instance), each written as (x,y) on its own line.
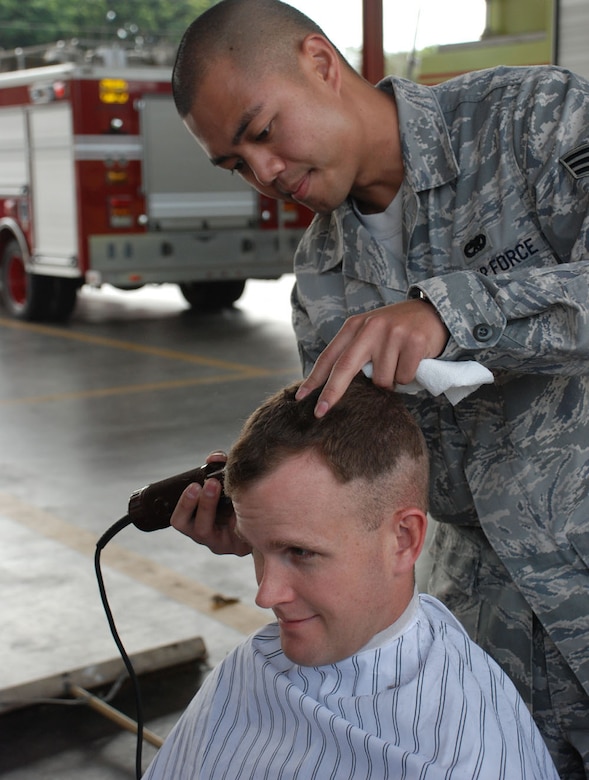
(25,23)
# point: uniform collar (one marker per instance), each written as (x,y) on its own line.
(428,157)
(428,160)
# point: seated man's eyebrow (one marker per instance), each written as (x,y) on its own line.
(276,544)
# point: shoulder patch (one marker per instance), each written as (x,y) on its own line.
(577,161)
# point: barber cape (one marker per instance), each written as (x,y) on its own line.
(421,700)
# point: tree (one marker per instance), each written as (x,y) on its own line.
(37,22)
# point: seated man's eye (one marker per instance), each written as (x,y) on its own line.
(300,553)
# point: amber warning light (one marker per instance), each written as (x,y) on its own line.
(113,91)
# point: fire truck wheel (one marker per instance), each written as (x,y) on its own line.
(31,297)
(212,295)
(62,295)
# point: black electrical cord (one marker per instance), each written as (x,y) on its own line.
(100,544)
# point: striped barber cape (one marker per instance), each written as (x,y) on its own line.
(421,703)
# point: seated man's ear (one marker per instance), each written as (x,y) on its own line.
(409,526)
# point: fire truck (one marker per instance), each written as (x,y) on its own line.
(100,182)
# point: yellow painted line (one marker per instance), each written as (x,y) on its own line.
(238,371)
(184,590)
(148,387)
(130,346)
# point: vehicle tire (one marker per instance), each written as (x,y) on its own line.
(212,295)
(33,297)
(62,295)
(23,294)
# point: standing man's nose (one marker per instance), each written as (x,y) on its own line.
(265,167)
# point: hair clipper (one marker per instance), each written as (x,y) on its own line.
(151,507)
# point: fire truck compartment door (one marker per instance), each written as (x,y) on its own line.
(53,181)
(180,182)
(14,175)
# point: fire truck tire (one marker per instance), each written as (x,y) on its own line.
(61,298)
(212,295)
(33,297)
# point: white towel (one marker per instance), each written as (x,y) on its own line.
(456,379)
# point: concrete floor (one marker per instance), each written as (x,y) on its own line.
(134,389)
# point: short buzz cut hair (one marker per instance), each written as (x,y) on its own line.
(249,32)
(368,434)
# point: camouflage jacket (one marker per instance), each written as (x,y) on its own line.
(496,233)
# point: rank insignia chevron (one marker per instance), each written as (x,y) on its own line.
(577,161)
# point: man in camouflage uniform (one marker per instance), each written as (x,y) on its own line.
(491,175)
(513,458)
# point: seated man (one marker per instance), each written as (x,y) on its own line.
(359,676)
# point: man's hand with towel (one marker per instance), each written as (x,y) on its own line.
(394,338)
(455,380)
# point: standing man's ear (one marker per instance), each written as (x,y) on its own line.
(319,57)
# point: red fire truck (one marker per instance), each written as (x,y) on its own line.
(100,182)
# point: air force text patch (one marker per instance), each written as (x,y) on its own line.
(510,258)
(577,161)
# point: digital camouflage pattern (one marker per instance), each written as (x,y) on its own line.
(496,234)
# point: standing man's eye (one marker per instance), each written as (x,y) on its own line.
(264,134)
